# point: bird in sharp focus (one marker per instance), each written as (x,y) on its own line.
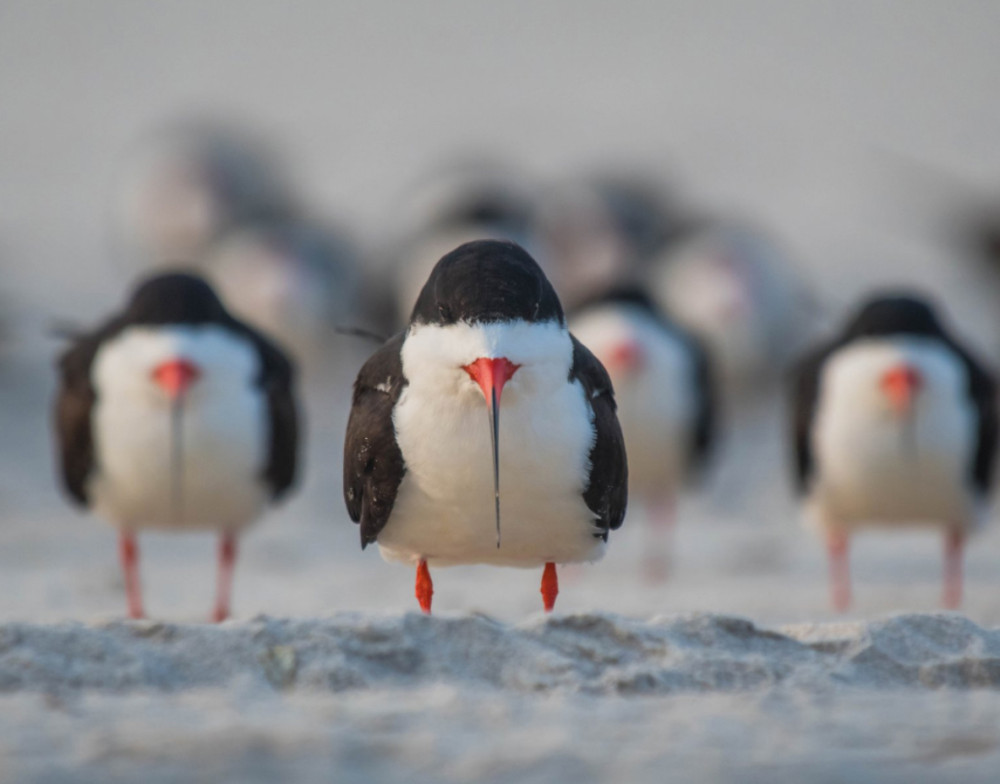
(485,433)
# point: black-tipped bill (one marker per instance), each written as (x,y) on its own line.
(491,375)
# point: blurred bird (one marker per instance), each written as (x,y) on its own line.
(597,230)
(423,471)
(294,280)
(175,415)
(665,396)
(466,201)
(894,423)
(192,181)
(731,286)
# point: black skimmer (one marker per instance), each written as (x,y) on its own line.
(731,286)
(666,400)
(175,415)
(424,469)
(596,231)
(190,182)
(466,201)
(894,423)
(295,280)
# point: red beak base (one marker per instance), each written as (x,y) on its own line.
(901,385)
(491,374)
(625,356)
(176,376)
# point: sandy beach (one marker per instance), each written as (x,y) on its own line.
(850,131)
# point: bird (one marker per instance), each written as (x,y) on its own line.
(174,415)
(294,279)
(598,229)
(730,284)
(424,468)
(666,398)
(894,422)
(467,199)
(190,181)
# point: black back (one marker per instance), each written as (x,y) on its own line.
(373,463)
(489,280)
(885,315)
(173,298)
(606,493)
(707,415)
(486,281)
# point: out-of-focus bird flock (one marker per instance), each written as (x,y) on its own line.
(717,340)
(213,197)
(694,315)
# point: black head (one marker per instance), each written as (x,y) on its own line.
(175,298)
(892,314)
(484,281)
(640,211)
(495,207)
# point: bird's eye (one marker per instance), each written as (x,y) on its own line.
(444,311)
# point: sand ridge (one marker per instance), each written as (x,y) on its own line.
(587,653)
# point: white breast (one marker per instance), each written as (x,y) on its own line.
(444,509)
(657,404)
(874,467)
(223,431)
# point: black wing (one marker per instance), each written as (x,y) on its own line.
(277,381)
(606,493)
(631,295)
(805,392)
(983,392)
(74,404)
(373,464)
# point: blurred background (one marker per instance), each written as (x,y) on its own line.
(314,158)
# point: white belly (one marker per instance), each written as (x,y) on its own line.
(216,481)
(444,510)
(657,403)
(875,468)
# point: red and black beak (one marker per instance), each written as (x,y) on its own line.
(491,375)
(901,385)
(625,357)
(175,377)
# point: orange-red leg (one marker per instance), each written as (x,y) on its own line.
(954,546)
(550,586)
(425,587)
(840,571)
(128,551)
(227,562)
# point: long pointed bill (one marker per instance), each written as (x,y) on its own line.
(175,378)
(491,375)
(901,385)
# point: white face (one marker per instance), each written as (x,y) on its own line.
(435,356)
(158,469)
(855,376)
(892,460)
(126,365)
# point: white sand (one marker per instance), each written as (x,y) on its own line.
(458,698)
(795,114)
